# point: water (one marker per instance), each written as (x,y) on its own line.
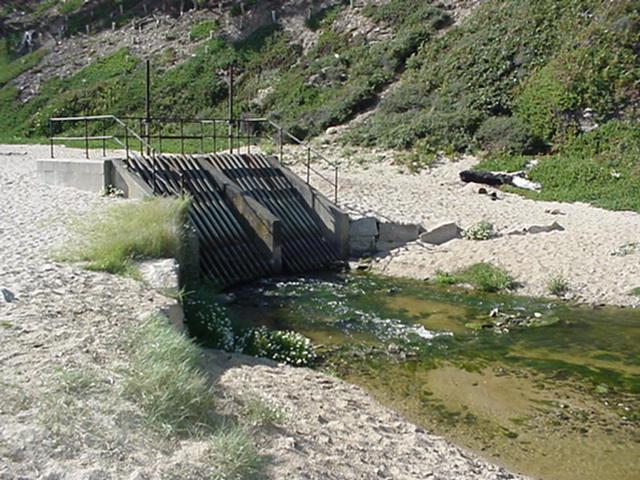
(555,401)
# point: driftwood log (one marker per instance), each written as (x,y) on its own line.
(496,179)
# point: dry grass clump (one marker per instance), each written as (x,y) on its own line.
(112,239)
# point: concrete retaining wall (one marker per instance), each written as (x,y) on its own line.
(83,174)
(334,222)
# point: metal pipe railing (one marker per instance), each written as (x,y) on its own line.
(161,123)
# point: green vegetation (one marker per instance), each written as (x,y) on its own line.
(482,230)
(10,69)
(258,412)
(558,285)
(482,276)
(463,88)
(113,239)
(599,167)
(636,292)
(282,346)
(166,381)
(176,395)
(203,30)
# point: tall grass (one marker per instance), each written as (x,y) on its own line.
(177,398)
(166,380)
(111,240)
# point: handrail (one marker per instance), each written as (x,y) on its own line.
(87,137)
(144,140)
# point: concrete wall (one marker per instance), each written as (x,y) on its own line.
(81,174)
(334,222)
(266,227)
(118,177)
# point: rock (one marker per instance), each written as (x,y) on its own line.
(160,274)
(7,295)
(361,245)
(398,232)
(494,312)
(555,226)
(364,227)
(441,233)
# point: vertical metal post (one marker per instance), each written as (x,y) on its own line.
(104,139)
(182,136)
(155,175)
(214,136)
(160,134)
(140,133)
(86,138)
(248,127)
(230,106)
(335,185)
(281,140)
(126,139)
(147,106)
(51,136)
(308,164)
(201,137)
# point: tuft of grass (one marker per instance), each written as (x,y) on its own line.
(444,278)
(482,276)
(77,381)
(636,292)
(233,452)
(558,285)
(259,413)
(166,381)
(111,240)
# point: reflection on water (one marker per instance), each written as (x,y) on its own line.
(557,402)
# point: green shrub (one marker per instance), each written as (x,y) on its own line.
(558,285)
(282,346)
(165,379)
(482,230)
(208,320)
(444,278)
(203,29)
(636,292)
(111,240)
(540,60)
(505,135)
(600,167)
(482,276)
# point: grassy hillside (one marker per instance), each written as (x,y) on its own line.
(514,80)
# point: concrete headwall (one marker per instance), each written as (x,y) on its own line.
(334,222)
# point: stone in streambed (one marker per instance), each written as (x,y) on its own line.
(533,229)
(441,233)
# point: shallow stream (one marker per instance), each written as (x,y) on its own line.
(542,388)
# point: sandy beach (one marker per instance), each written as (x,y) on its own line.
(60,324)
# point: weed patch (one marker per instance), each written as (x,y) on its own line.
(113,239)
(558,285)
(482,276)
